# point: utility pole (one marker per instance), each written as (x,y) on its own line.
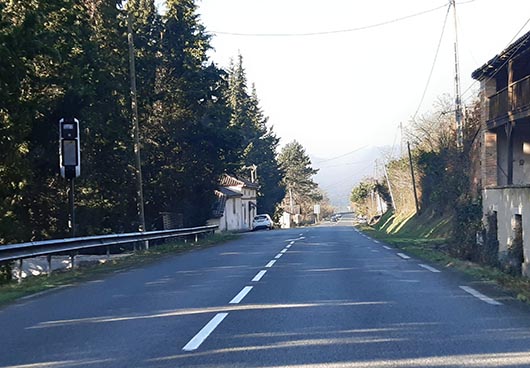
(458,101)
(390,188)
(136,128)
(400,139)
(413,181)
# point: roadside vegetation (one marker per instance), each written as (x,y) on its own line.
(447,225)
(429,238)
(12,290)
(196,120)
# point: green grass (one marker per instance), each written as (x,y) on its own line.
(426,237)
(13,290)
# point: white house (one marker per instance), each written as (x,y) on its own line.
(236,205)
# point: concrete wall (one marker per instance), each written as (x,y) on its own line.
(521,155)
(508,202)
(231,220)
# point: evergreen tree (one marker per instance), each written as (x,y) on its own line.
(298,177)
(185,144)
(256,143)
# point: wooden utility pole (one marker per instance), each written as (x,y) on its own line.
(413,180)
(390,188)
(136,128)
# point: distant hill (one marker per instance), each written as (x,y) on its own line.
(338,175)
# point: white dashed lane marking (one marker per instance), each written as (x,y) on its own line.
(403,255)
(270,264)
(205,332)
(429,268)
(243,293)
(476,294)
(259,275)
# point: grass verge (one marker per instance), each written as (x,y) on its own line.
(433,249)
(13,290)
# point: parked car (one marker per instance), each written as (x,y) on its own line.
(263,221)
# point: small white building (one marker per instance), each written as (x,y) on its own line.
(236,205)
(226,213)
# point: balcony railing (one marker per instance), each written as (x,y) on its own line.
(501,103)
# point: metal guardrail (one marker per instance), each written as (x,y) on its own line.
(21,251)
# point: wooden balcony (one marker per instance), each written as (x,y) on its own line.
(510,103)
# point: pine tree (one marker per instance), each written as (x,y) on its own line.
(185,144)
(298,177)
(257,144)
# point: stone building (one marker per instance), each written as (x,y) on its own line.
(505,151)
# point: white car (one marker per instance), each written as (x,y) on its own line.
(262,222)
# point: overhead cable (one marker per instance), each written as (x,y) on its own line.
(341,156)
(362,28)
(433,63)
(503,64)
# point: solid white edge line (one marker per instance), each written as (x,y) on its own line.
(480,296)
(278,255)
(243,293)
(259,275)
(403,255)
(203,334)
(429,268)
(270,264)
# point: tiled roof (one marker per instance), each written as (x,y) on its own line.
(232,181)
(222,195)
(490,68)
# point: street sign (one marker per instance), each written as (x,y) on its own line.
(316,210)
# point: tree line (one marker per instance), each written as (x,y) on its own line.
(63,58)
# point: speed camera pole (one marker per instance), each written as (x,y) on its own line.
(70,161)
(71,203)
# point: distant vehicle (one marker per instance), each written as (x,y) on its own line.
(263,221)
(336,217)
(362,220)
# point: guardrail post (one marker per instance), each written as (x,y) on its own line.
(20,271)
(108,253)
(196,238)
(72,261)
(49,259)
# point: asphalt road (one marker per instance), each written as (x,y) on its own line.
(314,297)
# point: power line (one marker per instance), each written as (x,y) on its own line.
(342,165)
(341,156)
(503,64)
(433,63)
(362,28)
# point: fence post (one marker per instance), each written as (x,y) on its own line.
(49,259)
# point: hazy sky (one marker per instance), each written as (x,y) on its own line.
(337,92)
